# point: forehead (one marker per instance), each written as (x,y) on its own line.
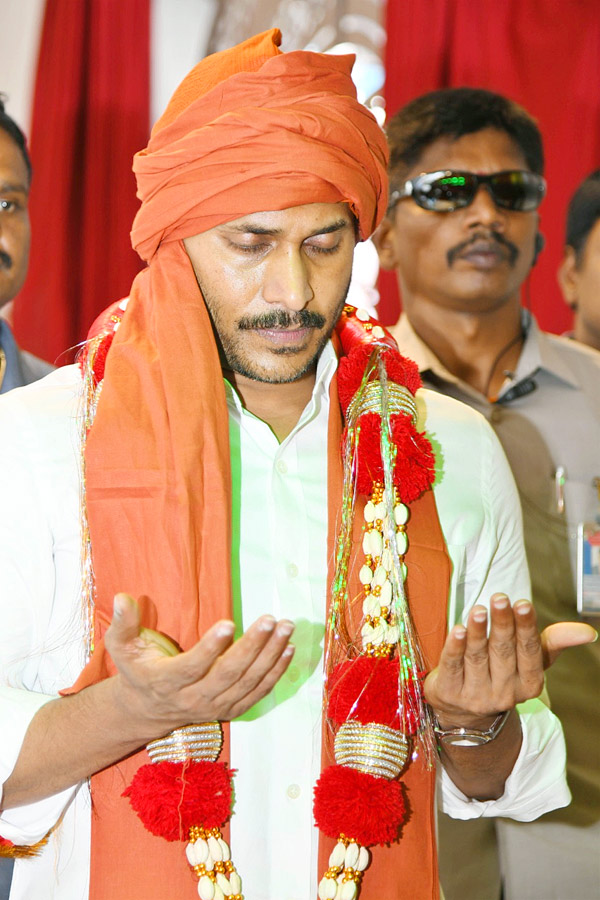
(13,170)
(485,151)
(310,218)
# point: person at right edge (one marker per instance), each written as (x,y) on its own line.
(579,271)
(462,233)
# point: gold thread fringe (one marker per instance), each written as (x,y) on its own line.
(23,851)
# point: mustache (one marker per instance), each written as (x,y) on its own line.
(5,260)
(280,318)
(511,250)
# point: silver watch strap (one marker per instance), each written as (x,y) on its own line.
(471,737)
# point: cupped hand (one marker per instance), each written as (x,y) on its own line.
(216,679)
(481,675)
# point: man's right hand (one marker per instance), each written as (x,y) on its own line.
(156,690)
(217,679)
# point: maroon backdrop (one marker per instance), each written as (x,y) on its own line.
(90,114)
(545,54)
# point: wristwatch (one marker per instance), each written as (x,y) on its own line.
(470,737)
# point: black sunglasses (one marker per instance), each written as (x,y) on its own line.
(517,190)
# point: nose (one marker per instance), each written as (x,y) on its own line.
(483,211)
(287,280)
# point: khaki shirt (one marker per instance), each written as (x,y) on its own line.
(547,417)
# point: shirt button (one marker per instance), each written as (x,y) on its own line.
(293,673)
(293,791)
(292,570)
(282,467)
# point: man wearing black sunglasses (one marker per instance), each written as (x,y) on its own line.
(462,233)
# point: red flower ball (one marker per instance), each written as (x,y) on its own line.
(352,369)
(170,797)
(100,359)
(103,325)
(367,809)
(366,690)
(414,469)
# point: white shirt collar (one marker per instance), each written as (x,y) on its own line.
(326,367)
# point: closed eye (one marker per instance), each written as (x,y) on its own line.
(248,248)
(319,248)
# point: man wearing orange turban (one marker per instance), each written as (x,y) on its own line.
(255,184)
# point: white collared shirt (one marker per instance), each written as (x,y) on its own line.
(280,497)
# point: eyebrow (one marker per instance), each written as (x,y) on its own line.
(247,228)
(14,187)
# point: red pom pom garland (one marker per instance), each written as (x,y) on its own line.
(185,794)
(375,699)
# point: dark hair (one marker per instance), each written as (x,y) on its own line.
(454,112)
(12,129)
(583,212)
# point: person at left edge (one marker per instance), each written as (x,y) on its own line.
(17,367)
(213,457)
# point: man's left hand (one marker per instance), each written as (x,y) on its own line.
(479,676)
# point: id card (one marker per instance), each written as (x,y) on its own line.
(588,569)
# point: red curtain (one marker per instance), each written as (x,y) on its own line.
(90,115)
(545,54)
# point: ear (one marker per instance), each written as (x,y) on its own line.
(568,277)
(384,240)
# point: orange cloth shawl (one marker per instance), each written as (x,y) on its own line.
(249,129)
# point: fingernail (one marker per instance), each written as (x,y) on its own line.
(480,614)
(225,628)
(522,607)
(267,623)
(118,605)
(459,632)
(285,627)
(500,602)
(289,651)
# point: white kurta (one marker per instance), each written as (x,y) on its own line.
(279,567)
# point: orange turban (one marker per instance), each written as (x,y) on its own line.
(249,130)
(253,129)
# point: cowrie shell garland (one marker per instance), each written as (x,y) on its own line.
(372,748)
(210,857)
(380,630)
(207,852)
(347,862)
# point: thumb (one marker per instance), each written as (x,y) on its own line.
(125,625)
(556,638)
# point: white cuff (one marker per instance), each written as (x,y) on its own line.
(537,783)
(24,824)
